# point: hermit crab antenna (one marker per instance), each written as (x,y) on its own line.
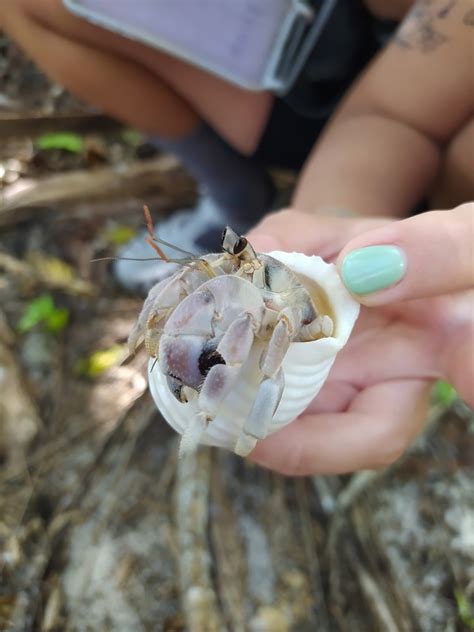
(156,240)
(148,221)
(152,238)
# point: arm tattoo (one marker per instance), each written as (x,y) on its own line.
(419,31)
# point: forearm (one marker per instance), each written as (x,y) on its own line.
(381,152)
(368,164)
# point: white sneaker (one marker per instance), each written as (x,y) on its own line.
(195,230)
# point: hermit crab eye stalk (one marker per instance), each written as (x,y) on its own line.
(240,246)
(229,240)
(237,245)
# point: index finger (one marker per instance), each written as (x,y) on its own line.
(291,230)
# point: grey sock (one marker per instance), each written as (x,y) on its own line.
(238,184)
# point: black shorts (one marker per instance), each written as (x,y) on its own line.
(350,39)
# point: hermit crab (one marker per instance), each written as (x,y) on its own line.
(240,342)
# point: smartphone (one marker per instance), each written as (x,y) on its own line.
(255,44)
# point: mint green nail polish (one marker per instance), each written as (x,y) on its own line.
(373,268)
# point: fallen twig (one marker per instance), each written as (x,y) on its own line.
(125,179)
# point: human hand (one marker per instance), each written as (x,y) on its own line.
(419,328)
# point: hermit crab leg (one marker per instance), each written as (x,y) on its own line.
(153,298)
(321,325)
(153,331)
(162,300)
(271,387)
(192,434)
(280,341)
(260,417)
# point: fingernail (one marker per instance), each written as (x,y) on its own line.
(374,268)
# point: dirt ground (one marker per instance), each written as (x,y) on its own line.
(102,528)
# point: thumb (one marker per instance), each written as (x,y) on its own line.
(426,255)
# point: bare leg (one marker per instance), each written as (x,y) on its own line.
(133,82)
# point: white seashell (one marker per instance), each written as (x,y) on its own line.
(306,365)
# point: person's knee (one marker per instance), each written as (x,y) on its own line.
(23,8)
(19,17)
(455,183)
(8,13)
(11,15)
(35,8)
(20,10)
(459,152)
(49,13)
